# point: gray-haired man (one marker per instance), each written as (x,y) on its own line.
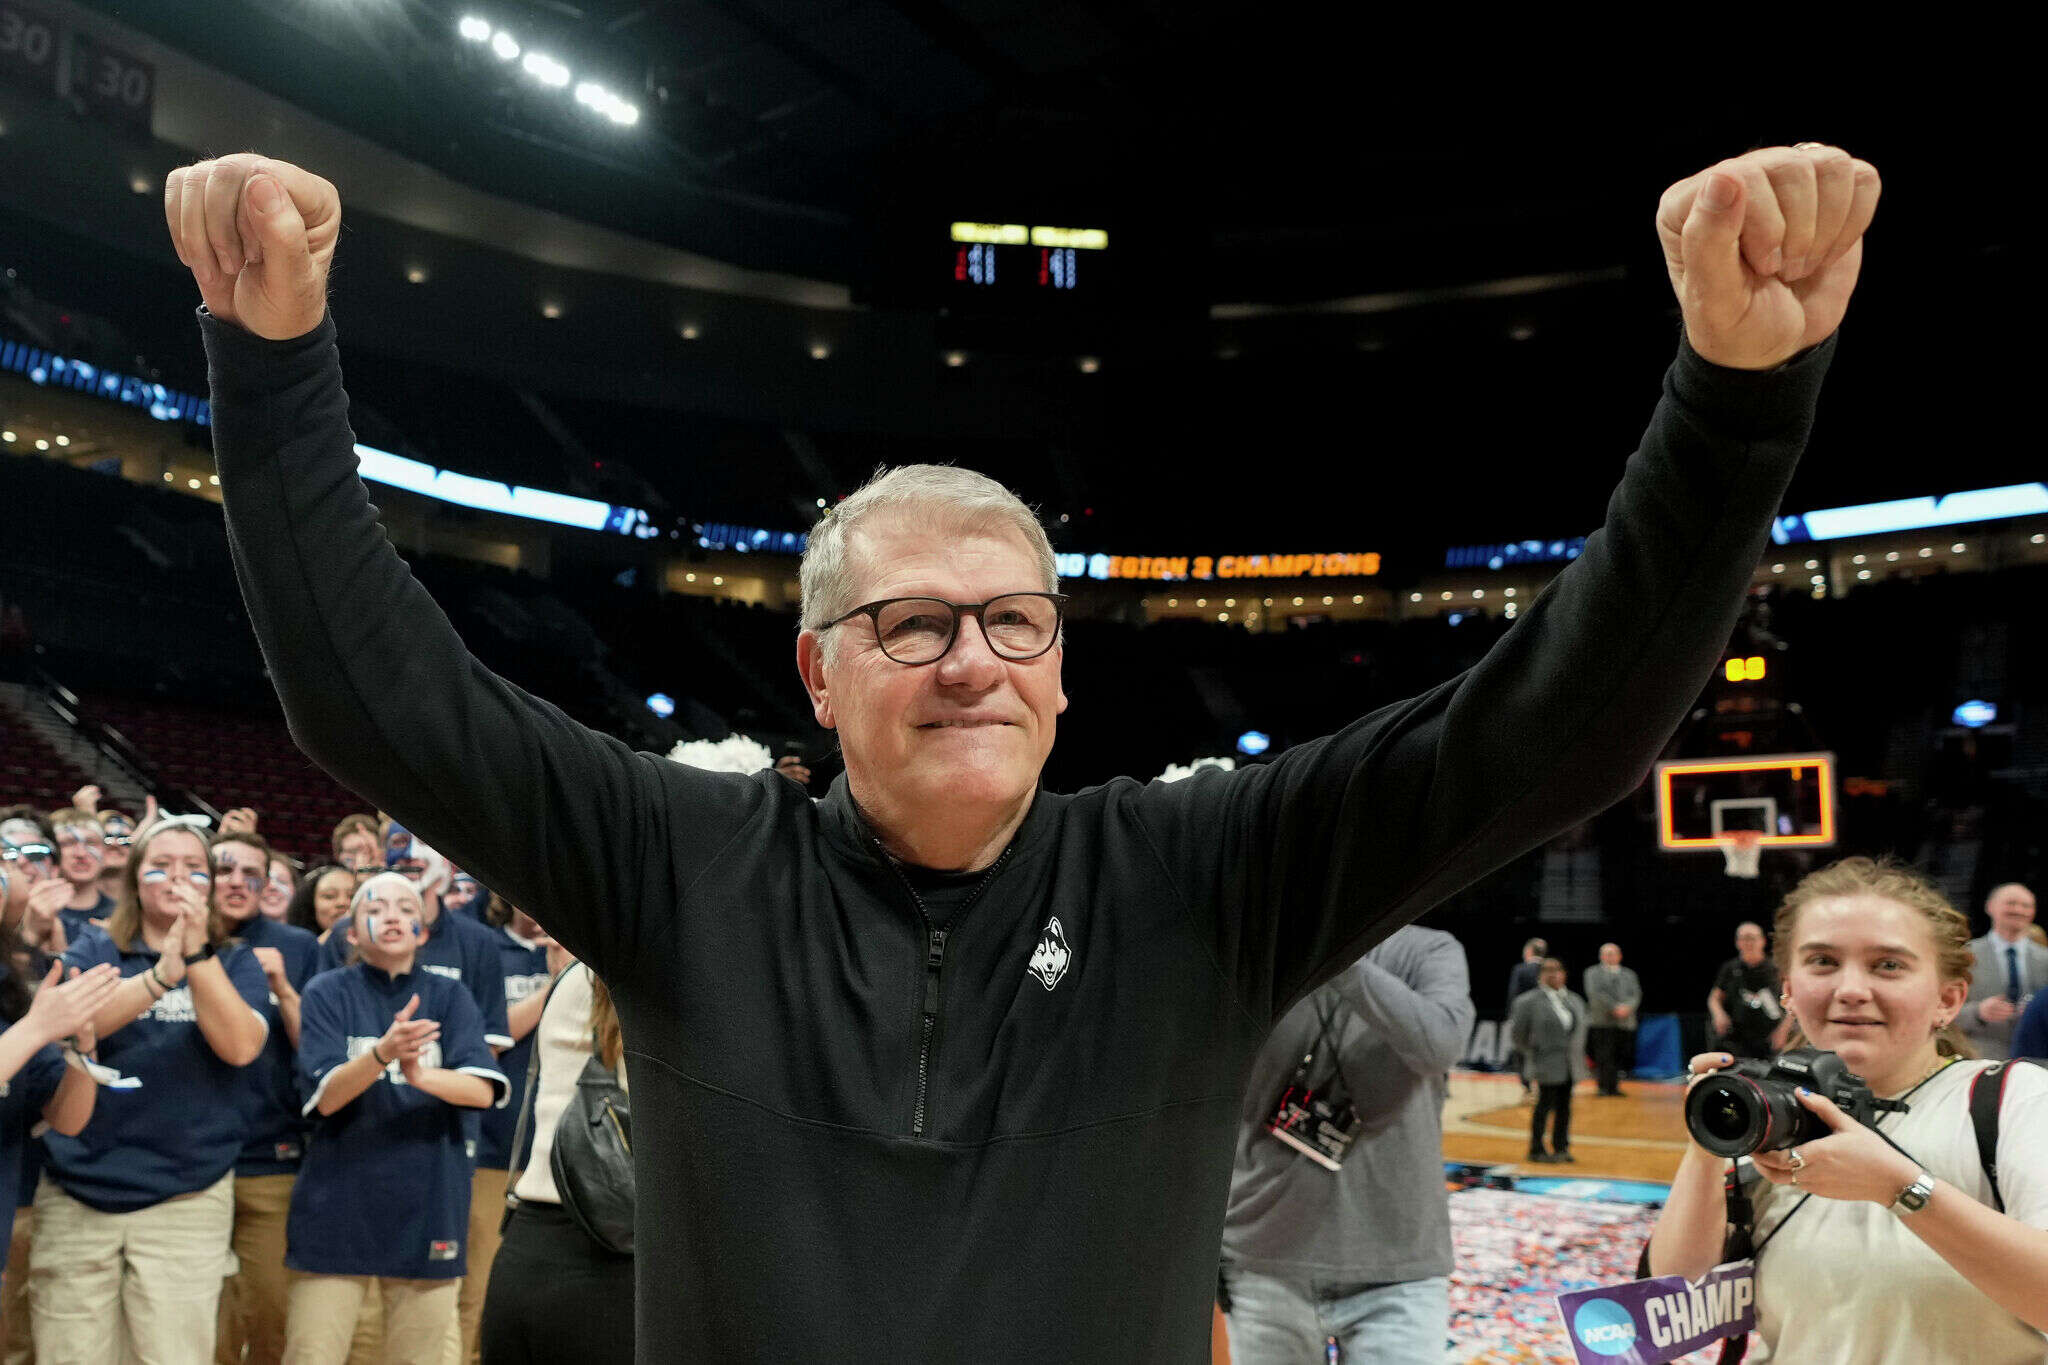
(1613,997)
(943,1066)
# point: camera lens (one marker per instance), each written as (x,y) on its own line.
(1732,1115)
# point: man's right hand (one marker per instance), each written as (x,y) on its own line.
(258,236)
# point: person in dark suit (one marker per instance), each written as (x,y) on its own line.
(1521,981)
(1548,1026)
(2010,968)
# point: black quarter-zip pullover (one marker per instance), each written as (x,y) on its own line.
(868,1134)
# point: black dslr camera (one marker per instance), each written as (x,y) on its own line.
(1751,1106)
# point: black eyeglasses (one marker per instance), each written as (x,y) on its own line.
(919,630)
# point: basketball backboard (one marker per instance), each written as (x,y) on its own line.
(1788,799)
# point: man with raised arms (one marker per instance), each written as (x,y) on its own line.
(943,1066)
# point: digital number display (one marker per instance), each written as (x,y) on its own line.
(1010,262)
(28,47)
(110,85)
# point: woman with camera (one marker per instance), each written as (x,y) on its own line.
(1882,1242)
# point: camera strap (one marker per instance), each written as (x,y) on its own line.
(1985,1102)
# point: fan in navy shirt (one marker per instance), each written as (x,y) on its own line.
(255,1300)
(116,1244)
(456,946)
(523,954)
(81,857)
(390,1059)
(35,1084)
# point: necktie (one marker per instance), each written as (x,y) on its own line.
(2012,973)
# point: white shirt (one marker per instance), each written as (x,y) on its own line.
(1849,1284)
(1558,1006)
(562,1042)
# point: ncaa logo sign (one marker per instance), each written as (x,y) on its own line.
(1604,1327)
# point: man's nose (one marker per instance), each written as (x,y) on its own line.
(970,661)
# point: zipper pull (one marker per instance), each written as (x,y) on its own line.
(935,954)
(934,958)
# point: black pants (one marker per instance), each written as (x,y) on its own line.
(1611,1049)
(1550,1099)
(555,1295)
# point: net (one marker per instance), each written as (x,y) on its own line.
(1744,849)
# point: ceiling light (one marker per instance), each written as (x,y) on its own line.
(1173,601)
(717,582)
(213,479)
(688,331)
(1863,573)
(1858,559)
(140,184)
(551,309)
(192,483)
(545,69)
(1223,616)
(819,350)
(2036,538)
(1813,563)
(503,46)
(167,476)
(1818,580)
(7,436)
(1414,597)
(1357,601)
(1891,557)
(1297,601)
(1479,592)
(1956,548)
(1329,601)
(1777,568)
(63,440)
(42,445)
(689,578)
(591,95)
(1926,550)
(955,359)
(1230,601)
(1507,592)
(1201,601)
(1522,331)
(473,29)
(1089,364)
(415,274)
(1447,597)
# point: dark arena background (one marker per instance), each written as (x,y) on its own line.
(1317,356)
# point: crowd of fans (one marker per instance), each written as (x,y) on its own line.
(257,1114)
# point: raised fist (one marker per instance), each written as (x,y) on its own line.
(258,236)
(1763,250)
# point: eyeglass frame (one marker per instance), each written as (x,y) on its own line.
(873,611)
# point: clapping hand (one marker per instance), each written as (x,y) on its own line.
(1763,250)
(272,962)
(64,1008)
(406,1038)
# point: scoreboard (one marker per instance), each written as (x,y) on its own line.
(1016,265)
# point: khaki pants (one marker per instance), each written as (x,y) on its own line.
(421,1326)
(486,1211)
(18,1347)
(254,1302)
(150,1279)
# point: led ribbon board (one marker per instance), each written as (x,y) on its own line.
(1912,514)
(486,495)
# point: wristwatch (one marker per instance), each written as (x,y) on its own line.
(1914,1197)
(200,956)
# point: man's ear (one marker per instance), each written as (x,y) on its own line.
(811,652)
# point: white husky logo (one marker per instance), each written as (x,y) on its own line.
(1049,960)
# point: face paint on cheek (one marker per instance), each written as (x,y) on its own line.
(154,874)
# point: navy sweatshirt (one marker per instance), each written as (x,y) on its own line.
(274,1137)
(385,1187)
(859,1136)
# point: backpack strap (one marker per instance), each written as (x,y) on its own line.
(1987,1097)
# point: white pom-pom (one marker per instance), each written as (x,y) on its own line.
(1175,772)
(733,754)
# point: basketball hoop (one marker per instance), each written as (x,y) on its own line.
(1743,848)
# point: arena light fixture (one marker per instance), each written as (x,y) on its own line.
(473,29)
(545,69)
(63,440)
(1089,364)
(1414,597)
(503,46)
(140,184)
(1507,592)
(1859,559)
(415,274)
(7,436)
(593,96)
(689,332)
(42,444)
(1956,548)
(820,351)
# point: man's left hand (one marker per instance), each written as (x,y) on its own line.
(1852,1162)
(1763,250)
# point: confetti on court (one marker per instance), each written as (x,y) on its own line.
(1516,1253)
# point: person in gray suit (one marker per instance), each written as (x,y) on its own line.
(1613,997)
(1548,1026)
(2010,968)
